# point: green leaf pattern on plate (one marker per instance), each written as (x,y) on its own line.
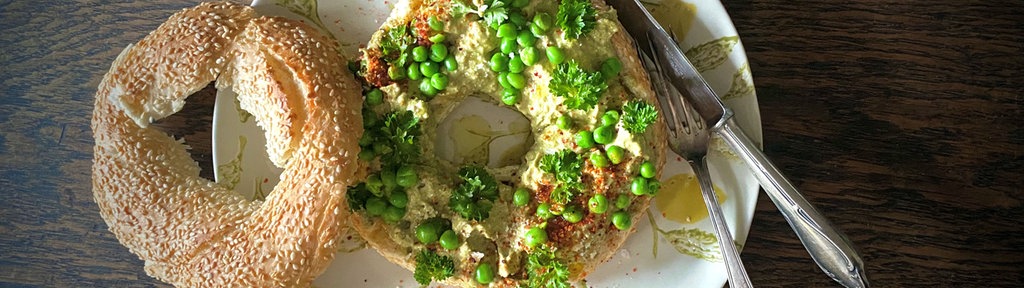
(694,242)
(742,83)
(259,194)
(306,8)
(709,55)
(243,115)
(230,173)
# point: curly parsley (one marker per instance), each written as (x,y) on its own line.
(401,130)
(431,266)
(394,43)
(493,14)
(576,17)
(637,115)
(567,167)
(474,198)
(544,270)
(581,89)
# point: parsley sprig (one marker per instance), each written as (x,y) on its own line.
(475,196)
(395,42)
(637,115)
(402,131)
(493,14)
(576,17)
(567,167)
(544,270)
(581,89)
(431,266)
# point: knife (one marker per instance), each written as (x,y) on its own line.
(830,249)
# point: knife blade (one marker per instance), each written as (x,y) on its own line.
(829,248)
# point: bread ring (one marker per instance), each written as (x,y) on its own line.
(193,232)
(489,227)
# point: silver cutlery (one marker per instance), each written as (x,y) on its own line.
(830,249)
(689,137)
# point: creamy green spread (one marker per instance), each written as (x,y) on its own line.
(501,238)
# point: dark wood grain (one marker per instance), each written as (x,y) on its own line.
(901,120)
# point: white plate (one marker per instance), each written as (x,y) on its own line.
(708,37)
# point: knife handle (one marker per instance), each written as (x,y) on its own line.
(829,248)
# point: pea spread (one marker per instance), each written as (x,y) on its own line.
(540,223)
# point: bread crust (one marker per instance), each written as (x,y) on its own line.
(606,242)
(190,231)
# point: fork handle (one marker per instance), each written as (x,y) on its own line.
(829,248)
(738,277)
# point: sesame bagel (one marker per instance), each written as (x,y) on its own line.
(190,231)
(597,141)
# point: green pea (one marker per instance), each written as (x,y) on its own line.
(564,122)
(396,73)
(598,159)
(374,97)
(420,54)
(515,64)
(621,220)
(585,139)
(428,232)
(429,68)
(450,63)
(611,67)
(367,138)
(398,198)
(484,273)
(427,88)
(380,148)
(544,211)
(542,20)
(639,186)
(375,206)
(499,62)
(653,185)
(520,3)
(449,240)
(555,55)
(517,18)
(375,185)
(503,80)
(508,44)
(438,52)
(526,39)
(388,177)
(516,80)
(615,153)
(414,71)
(439,81)
(647,170)
(435,24)
(529,55)
(393,214)
(437,38)
(536,236)
(573,214)
(521,197)
(507,30)
(604,134)
(536,30)
(406,177)
(510,97)
(622,202)
(366,155)
(610,118)
(598,204)
(369,119)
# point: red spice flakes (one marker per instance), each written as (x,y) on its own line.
(544,192)
(376,69)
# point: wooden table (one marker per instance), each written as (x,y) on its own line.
(901,121)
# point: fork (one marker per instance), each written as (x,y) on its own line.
(689,137)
